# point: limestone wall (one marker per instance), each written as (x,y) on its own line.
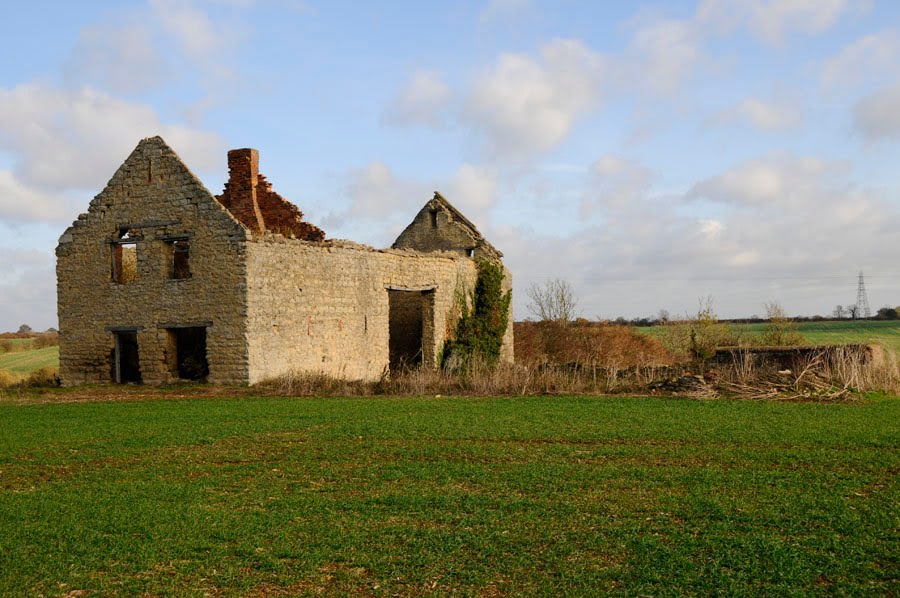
(324,307)
(158,199)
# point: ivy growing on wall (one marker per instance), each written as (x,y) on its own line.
(480,330)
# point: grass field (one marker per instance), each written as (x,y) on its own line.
(23,362)
(385,496)
(886,332)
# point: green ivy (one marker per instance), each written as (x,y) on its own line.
(479,331)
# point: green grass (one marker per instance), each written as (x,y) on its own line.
(24,362)
(886,332)
(553,496)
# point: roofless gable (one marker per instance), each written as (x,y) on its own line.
(439,226)
(140,192)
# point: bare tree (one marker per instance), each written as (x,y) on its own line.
(839,312)
(552,301)
(852,311)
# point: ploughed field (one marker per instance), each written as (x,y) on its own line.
(449,495)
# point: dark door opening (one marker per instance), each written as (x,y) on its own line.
(127,362)
(189,352)
(409,323)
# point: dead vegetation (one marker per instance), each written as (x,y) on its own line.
(13,342)
(44,377)
(592,358)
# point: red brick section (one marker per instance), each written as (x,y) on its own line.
(249,197)
(281,216)
(240,190)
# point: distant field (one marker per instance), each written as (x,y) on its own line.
(23,362)
(825,333)
(452,496)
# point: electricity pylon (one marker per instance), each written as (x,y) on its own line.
(862,301)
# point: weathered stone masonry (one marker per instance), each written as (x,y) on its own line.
(160,280)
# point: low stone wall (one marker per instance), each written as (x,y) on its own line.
(786,358)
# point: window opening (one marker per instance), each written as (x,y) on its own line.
(434,215)
(187,353)
(181,260)
(125,258)
(127,367)
(470,252)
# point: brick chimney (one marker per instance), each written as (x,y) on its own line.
(240,190)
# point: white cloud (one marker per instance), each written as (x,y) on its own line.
(773,21)
(524,104)
(198,35)
(662,55)
(877,116)
(770,180)
(711,229)
(616,183)
(762,114)
(375,192)
(55,133)
(21,203)
(793,220)
(424,101)
(75,139)
(873,56)
(473,189)
(118,57)
(27,289)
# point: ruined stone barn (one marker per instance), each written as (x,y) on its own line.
(161,281)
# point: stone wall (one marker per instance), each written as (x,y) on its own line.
(324,308)
(157,199)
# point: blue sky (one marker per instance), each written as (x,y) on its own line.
(649,153)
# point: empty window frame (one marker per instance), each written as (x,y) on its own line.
(187,353)
(125,257)
(434,218)
(180,259)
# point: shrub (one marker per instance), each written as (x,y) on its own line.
(781,331)
(698,338)
(46,339)
(586,344)
(44,377)
(480,331)
(8,379)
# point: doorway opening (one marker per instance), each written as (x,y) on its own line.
(127,362)
(410,328)
(187,353)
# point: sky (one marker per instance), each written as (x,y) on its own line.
(652,154)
